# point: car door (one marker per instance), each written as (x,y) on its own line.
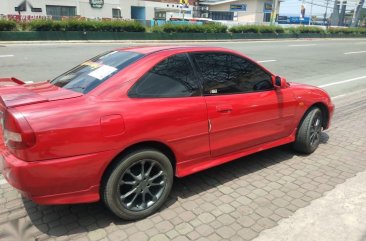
(166,104)
(244,109)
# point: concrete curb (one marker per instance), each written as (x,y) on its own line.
(169,41)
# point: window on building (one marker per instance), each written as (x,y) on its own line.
(221,15)
(57,12)
(267,17)
(36,10)
(230,74)
(160,15)
(173,77)
(116,13)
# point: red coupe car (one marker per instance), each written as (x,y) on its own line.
(119,126)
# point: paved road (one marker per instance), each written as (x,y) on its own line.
(236,201)
(317,62)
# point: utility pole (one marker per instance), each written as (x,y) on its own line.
(343,13)
(356,14)
(311,12)
(326,12)
(334,17)
(274,11)
(302,11)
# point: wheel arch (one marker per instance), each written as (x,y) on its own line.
(140,145)
(325,113)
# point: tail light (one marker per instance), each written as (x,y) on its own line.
(17,132)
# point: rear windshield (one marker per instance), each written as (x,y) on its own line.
(88,75)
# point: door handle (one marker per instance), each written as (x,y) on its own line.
(224,108)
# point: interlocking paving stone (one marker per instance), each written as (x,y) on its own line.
(247,234)
(225,232)
(246,221)
(205,230)
(206,217)
(235,201)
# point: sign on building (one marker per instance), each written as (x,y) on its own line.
(238,7)
(96,3)
(267,7)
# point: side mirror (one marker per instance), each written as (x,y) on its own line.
(279,82)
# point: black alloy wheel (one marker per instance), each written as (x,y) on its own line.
(137,184)
(141,185)
(309,132)
(315,129)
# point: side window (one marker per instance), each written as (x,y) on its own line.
(173,77)
(230,74)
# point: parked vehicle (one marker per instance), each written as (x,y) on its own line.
(119,126)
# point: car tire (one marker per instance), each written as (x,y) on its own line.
(309,131)
(138,184)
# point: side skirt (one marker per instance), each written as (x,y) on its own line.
(190,167)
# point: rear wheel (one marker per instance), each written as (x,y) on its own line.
(138,184)
(308,134)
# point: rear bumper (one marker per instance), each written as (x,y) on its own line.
(59,181)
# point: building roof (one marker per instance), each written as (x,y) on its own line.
(218,2)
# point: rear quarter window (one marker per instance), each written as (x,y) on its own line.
(90,74)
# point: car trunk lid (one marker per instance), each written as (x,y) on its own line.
(14,92)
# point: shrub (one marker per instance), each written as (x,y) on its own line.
(77,25)
(256,29)
(41,25)
(156,29)
(184,28)
(58,26)
(280,29)
(215,28)
(125,26)
(244,29)
(7,25)
(190,28)
(89,25)
(347,30)
(271,29)
(306,29)
(134,26)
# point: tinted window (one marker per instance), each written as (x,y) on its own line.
(90,74)
(173,77)
(229,74)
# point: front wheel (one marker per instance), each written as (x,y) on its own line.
(138,184)
(308,134)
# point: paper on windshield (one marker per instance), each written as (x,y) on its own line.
(93,65)
(102,72)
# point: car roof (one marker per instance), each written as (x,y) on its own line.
(153,49)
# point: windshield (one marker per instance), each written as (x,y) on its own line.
(88,75)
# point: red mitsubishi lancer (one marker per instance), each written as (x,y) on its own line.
(119,126)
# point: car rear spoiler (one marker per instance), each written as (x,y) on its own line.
(14,92)
(10,82)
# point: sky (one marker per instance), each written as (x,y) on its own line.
(292,7)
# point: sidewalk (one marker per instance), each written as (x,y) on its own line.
(338,216)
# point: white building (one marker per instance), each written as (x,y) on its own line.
(247,11)
(231,11)
(127,9)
